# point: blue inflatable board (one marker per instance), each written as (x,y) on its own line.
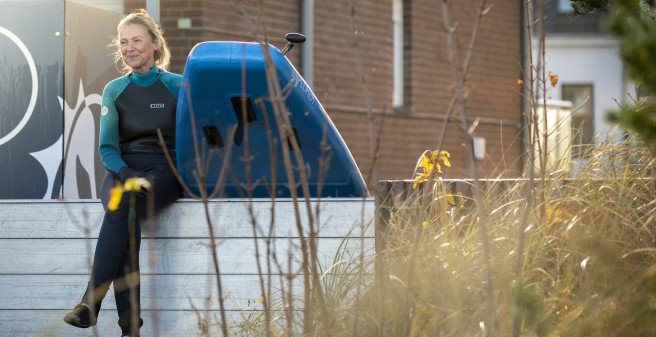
(224,97)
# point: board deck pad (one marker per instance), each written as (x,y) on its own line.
(225,116)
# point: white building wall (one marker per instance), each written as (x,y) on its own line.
(588,60)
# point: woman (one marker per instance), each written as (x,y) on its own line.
(134,107)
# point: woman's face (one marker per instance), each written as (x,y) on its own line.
(137,47)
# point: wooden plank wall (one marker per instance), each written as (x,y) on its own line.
(46,249)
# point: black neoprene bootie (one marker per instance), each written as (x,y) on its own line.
(81,316)
(126,327)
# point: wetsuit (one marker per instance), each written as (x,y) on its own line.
(133,108)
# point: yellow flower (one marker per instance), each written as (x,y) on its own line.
(431,163)
(136,184)
(115,197)
(426,163)
(555,212)
(419,179)
(553,79)
(443,156)
(130,185)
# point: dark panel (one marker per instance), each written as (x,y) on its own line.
(31,85)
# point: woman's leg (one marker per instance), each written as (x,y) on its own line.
(166,190)
(117,250)
(127,284)
(110,249)
(111,246)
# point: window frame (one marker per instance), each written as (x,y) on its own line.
(398,78)
(564,6)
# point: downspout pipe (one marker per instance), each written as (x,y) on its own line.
(307,55)
(525,112)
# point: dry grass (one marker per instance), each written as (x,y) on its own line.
(589,261)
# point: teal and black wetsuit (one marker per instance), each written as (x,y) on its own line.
(134,107)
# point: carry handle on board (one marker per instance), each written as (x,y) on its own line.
(292,39)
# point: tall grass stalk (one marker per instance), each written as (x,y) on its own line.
(355,40)
(530,123)
(459,78)
(308,247)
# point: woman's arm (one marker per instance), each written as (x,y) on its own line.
(109,150)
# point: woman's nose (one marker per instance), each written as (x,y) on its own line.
(127,46)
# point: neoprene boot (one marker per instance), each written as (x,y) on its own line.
(81,316)
(126,327)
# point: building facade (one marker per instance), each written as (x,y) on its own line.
(383,65)
(590,72)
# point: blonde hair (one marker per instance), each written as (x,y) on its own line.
(141,17)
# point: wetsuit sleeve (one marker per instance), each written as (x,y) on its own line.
(109,150)
(172,82)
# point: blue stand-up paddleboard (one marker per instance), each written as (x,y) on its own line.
(224,97)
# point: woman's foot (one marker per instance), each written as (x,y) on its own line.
(81,316)
(126,327)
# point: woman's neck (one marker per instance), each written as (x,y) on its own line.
(143,69)
(147,78)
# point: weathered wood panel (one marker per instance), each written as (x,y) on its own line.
(158,292)
(186,219)
(163,256)
(46,248)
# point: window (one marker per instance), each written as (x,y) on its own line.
(582,117)
(397,67)
(110,5)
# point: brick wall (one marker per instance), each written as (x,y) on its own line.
(224,21)
(353,72)
(492,84)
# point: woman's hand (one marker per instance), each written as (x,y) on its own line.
(128,173)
